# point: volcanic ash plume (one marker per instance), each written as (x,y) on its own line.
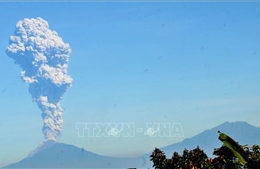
(43,57)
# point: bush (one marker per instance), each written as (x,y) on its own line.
(225,158)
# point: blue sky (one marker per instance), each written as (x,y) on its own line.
(196,64)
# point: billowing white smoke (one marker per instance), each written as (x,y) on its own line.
(43,57)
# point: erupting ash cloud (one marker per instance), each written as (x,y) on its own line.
(43,57)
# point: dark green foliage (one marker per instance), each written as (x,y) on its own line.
(197,159)
(225,159)
(253,154)
(189,159)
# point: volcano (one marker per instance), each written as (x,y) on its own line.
(52,154)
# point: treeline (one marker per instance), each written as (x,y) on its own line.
(230,155)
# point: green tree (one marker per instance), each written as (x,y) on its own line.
(230,155)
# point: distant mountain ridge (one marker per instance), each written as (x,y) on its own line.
(52,154)
(60,155)
(207,140)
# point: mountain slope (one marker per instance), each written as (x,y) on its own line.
(43,146)
(241,132)
(59,155)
